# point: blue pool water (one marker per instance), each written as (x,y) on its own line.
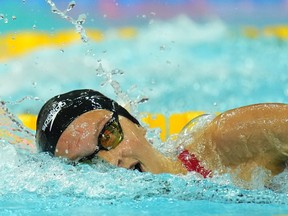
(179,64)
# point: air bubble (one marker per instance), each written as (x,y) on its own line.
(2,16)
(13,17)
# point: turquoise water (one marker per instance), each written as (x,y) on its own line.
(216,68)
(179,65)
(36,183)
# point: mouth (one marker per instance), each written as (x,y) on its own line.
(137,167)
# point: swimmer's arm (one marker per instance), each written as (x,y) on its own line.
(257,132)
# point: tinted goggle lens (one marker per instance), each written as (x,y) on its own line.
(111,135)
(109,138)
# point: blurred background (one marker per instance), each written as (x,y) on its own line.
(174,55)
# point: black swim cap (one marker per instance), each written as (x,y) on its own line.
(58,112)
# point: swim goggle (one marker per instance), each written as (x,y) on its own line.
(109,138)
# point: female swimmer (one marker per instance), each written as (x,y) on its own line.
(82,124)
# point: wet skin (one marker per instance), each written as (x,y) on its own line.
(134,152)
(245,138)
(238,141)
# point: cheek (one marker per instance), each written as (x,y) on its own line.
(132,145)
(108,156)
(127,148)
(134,138)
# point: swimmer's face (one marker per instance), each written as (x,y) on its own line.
(81,137)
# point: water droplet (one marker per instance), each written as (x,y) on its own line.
(117,71)
(54,9)
(61,50)
(71,5)
(81,19)
(84,37)
(143,100)
(2,16)
(50,3)
(89,51)
(34,26)
(77,23)
(13,17)
(6,20)
(151,22)
(100,71)
(162,47)
(34,83)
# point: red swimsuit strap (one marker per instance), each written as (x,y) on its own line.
(193,164)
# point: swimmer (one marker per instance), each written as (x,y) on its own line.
(83,124)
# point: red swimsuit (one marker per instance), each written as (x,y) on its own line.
(193,164)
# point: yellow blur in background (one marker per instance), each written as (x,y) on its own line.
(13,45)
(17,44)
